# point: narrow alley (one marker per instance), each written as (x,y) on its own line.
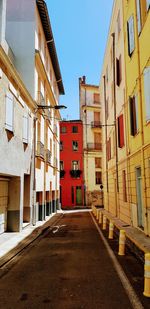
(67,267)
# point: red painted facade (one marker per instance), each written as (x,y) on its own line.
(71,163)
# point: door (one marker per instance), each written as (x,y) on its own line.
(78,196)
(139,197)
(97,140)
(3,205)
(96,119)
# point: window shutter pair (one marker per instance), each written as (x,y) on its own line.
(120,131)
(130,29)
(118,71)
(9,119)
(25,129)
(147,91)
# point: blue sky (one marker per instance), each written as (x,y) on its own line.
(80,29)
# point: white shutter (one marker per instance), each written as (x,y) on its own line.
(147,91)
(25,129)
(9,111)
(138,15)
(131,34)
(148,4)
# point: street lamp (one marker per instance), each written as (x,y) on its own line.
(56,107)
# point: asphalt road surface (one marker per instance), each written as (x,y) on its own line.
(67,268)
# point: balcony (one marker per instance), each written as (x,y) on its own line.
(94,146)
(62,173)
(40,99)
(40,150)
(48,156)
(96,124)
(55,163)
(75,173)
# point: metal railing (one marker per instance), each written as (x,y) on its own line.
(96,124)
(40,150)
(94,146)
(75,173)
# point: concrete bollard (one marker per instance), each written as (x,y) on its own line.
(111,230)
(100,217)
(147,275)
(104,222)
(122,240)
(97,214)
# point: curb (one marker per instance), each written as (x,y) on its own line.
(39,231)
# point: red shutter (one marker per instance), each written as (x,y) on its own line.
(120,131)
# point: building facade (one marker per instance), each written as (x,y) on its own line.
(126,106)
(71,164)
(90,114)
(32,55)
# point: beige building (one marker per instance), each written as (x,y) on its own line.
(90,114)
(33,53)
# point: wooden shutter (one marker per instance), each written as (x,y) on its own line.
(120,131)
(147,91)
(96,98)
(118,71)
(97,117)
(138,5)
(133,124)
(136,112)
(9,111)
(25,129)
(130,25)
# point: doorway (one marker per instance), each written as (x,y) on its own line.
(139,197)
(3,205)
(78,195)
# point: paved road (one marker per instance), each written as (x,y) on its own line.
(67,268)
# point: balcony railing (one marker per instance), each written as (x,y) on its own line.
(96,124)
(48,156)
(40,150)
(94,146)
(75,173)
(40,99)
(62,173)
(55,162)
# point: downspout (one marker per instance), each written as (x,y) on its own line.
(115,123)
(104,79)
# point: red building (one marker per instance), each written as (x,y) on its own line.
(71,163)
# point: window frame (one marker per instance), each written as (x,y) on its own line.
(131,35)
(73,145)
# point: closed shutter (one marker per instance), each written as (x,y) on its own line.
(147,91)
(148,4)
(25,129)
(120,131)
(130,25)
(138,15)
(133,121)
(137,114)
(9,112)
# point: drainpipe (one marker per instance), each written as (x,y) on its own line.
(115,122)
(104,79)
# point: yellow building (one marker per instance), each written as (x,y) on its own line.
(126,114)
(90,114)
(137,66)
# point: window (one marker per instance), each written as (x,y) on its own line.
(120,131)
(75,145)
(118,71)
(98,162)
(118,24)
(96,98)
(61,145)
(63,129)
(138,5)
(75,165)
(147,91)
(133,115)
(148,4)
(61,165)
(124,186)
(109,149)
(25,129)
(98,178)
(72,194)
(74,129)
(130,31)
(9,117)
